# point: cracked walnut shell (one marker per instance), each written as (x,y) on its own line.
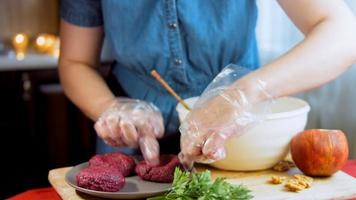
(283,166)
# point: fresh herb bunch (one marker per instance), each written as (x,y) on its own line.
(189,186)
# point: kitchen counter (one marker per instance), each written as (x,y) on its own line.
(34,61)
(30,62)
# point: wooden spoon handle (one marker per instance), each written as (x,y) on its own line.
(155,74)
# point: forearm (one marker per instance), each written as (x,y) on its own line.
(326,52)
(80,53)
(85,87)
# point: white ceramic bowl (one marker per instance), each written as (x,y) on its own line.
(263,145)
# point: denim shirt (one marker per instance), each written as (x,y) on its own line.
(187,41)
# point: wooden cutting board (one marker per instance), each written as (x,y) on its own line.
(339,186)
(56,178)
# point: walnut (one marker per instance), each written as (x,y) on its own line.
(294,186)
(283,166)
(303,177)
(304,180)
(277,179)
(299,182)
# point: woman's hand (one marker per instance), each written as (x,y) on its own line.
(133,123)
(221,112)
(206,128)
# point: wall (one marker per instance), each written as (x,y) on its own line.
(30,16)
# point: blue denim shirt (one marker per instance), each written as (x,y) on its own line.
(187,41)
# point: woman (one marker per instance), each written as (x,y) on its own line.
(188,43)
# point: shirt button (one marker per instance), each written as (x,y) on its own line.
(177,61)
(172,25)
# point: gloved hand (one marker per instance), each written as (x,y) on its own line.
(222,111)
(132,123)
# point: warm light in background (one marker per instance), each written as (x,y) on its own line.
(20,43)
(20,55)
(48,44)
(40,41)
(19,38)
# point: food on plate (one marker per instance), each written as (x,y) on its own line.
(283,166)
(277,179)
(106,172)
(162,173)
(120,161)
(319,152)
(299,182)
(101,179)
(188,185)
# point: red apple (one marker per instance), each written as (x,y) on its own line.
(319,152)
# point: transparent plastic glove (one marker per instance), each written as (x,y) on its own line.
(222,111)
(132,123)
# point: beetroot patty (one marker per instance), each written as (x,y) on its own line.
(162,173)
(122,162)
(100,179)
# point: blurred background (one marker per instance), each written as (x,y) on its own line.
(40,129)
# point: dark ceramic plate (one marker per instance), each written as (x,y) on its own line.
(135,188)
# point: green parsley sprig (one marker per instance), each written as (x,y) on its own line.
(189,186)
